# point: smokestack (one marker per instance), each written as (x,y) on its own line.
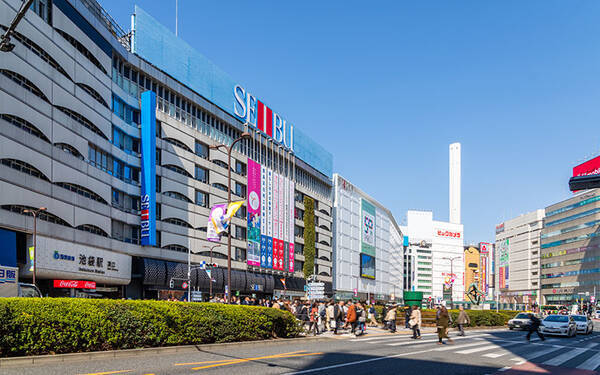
(455,183)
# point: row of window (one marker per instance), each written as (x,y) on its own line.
(106,162)
(127,143)
(81,48)
(125,112)
(24,125)
(571,262)
(573,217)
(570,229)
(24,83)
(570,240)
(572,206)
(571,273)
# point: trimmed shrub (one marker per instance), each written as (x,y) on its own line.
(32,326)
(309,237)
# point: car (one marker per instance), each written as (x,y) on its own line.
(520,321)
(562,325)
(584,324)
(597,314)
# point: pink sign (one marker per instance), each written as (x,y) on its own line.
(254,219)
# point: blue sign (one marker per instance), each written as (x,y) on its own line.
(148,198)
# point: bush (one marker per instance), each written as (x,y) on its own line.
(485,317)
(32,326)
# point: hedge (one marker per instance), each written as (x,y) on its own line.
(309,237)
(478,318)
(32,326)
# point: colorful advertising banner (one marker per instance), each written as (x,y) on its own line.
(367,228)
(254,211)
(291,228)
(148,171)
(263,216)
(269,203)
(484,271)
(503,259)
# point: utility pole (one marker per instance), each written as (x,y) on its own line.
(35,214)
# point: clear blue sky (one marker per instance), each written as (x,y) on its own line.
(387,86)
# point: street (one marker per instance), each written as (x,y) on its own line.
(480,352)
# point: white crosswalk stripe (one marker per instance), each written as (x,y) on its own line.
(411,341)
(591,363)
(494,355)
(485,347)
(450,347)
(592,345)
(539,353)
(559,360)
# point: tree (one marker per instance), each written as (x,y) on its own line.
(309,237)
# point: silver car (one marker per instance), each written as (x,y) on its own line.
(562,325)
(584,324)
(520,321)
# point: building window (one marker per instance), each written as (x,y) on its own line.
(25,83)
(219,186)
(201,174)
(84,192)
(92,229)
(178,143)
(220,163)
(241,213)
(43,8)
(240,168)
(69,150)
(176,195)
(177,169)
(240,190)
(24,125)
(201,198)
(298,231)
(201,150)
(93,93)
(178,248)
(240,233)
(43,215)
(298,213)
(126,142)
(176,221)
(81,120)
(125,202)
(125,112)
(240,254)
(21,166)
(84,51)
(158,186)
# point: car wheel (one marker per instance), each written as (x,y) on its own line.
(511,328)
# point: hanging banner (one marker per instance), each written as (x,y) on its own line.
(263,217)
(148,170)
(291,228)
(367,228)
(31,257)
(503,261)
(254,211)
(269,204)
(216,213)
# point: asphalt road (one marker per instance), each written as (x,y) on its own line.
(480,352)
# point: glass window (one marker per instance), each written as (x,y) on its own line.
(201,174)
(201,198)
(201,150)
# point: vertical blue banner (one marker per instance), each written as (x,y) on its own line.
(263,251)
(269,252)
(148,178)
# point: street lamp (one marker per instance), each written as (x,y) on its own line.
(35,213)
(245,135)
(452,275)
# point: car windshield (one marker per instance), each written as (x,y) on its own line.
(557,318)
(579,318)
(522,316)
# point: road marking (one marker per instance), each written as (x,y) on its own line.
(229,360)
(494,355)
(540,353)
(108,372)
(592,345)
(427,341)
(483,348)
(591,364)
(242,360)
(557,361)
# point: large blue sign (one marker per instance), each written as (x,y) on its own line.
(148,198)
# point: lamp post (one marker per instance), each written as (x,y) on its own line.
(35,213)
(452,275)
(245,135)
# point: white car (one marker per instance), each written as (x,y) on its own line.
(520,321)
(584,325)
(562,325)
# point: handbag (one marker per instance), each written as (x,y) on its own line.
(412,323)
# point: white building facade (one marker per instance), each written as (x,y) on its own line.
(367,241)
(517,259)
(435,249)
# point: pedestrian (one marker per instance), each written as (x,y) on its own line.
(329,316)
(463,318)
(361,314)
(384,311)
(407,313)
(442,321)
(415,322)
(390,318)
(372,319)
(338,316)
(534,327)
(314,319)
(351,317)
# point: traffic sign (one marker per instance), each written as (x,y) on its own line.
(196,296)
(184,285)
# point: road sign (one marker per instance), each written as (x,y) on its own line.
(316,290)
(184,285)
(196,296)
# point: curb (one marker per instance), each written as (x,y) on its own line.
(74,357)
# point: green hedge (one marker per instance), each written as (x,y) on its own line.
(478,318)
(309,237)
(32,326)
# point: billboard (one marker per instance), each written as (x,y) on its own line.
(502,249)
(367,229)
(590,167)
(148,178)
(367,266)
(270,219)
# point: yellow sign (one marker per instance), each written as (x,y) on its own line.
(31,257)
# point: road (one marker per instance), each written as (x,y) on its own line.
(480,352)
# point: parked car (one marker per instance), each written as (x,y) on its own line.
(584,324)
(562,325)
(520,321)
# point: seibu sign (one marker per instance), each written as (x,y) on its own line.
(77,284)
(254,112)
(447,233)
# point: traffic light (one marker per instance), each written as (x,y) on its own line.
(211,265)
(172,284)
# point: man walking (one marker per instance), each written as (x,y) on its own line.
(534,327)
(415,322)
(351,316)
(338,316)
(462,319)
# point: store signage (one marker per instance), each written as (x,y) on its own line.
(447,233)
(499,228)
(590,167)
(60,256)
(148,178)
(254,112)
(77,284)
(345,185)
(367,229)
(484,248)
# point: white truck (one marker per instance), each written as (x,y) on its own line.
(11,287)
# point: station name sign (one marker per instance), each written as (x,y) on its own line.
(254,112)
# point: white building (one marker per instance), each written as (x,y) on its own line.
(517,258)
(367,241)
(435,249)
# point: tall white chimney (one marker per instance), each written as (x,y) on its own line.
(455,183)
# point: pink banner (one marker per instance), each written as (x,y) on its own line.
(254,219)
(291,265)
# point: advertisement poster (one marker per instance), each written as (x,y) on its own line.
(367,266)
(483,274)
(263,215)
(269,204)
(503,260)
(276,206)
(254,210)
(291,228)
(367,228)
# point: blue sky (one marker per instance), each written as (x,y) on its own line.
(387,87)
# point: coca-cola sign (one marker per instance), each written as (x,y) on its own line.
(77,284)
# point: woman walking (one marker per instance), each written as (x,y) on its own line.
(442,320)
(415,322)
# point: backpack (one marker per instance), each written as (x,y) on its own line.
(322,313)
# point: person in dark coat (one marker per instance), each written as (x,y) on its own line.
(534,327)
(407,313)
(338,316)
(442,322)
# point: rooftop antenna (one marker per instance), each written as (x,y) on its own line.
(175,17)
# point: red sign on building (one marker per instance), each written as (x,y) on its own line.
(77,284)
(590,167)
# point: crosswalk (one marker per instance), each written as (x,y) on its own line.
(507,350)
